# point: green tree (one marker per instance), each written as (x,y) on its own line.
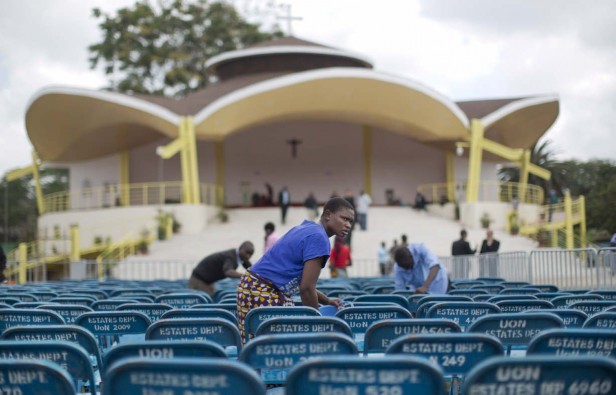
(162,49)
(18,209)
(596,180)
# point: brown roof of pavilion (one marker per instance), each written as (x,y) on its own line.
(284,41)
(195,102)
(480,108)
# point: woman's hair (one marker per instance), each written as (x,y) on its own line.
(336,204)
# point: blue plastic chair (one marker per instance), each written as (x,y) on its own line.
(571,375)
(69,355)
(217,330)
(112,327)
(154,311)
(200,313)
(184,300)
(181,376)
(68,312)
(164,349)
(578,341)
(381,334)
(605,320)
(28,317)
(291,325)
(455,353)
(357,375)
(272,356)
(571,318)
(37,377)
(516,330)
(518,306)
(256,317)
(462,313)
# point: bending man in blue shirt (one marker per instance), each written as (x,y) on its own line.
(419,269)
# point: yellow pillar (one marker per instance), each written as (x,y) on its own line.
(568,221)
(22,260)
(524,176)
(124,178)
(582,221)
(367,145)
(554,233)
(450,176)
(186,190)
(193,161)
(220,172)
(474,161)
(75,243)
(168,227)
(37,183)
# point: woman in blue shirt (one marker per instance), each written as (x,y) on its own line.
(292,266)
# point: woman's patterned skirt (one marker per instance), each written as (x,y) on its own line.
(253,292)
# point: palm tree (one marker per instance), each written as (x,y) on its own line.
(543,155)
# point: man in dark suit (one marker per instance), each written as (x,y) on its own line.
(220,265)
(461,265)
(462,247)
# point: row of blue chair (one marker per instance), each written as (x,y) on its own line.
(331,375)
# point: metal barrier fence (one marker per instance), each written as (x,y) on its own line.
(574,268)
(606,261)
(510,265)
(567,269)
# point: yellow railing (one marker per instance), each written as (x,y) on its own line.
(489,191)
(557,221)
(119,250)
(561,240)
(118,195)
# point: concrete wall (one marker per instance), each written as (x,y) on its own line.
(120,222)
(471,213)
(329,160)
(402,164)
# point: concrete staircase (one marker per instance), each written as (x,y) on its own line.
(384,224)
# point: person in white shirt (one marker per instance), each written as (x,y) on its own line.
(383,256)
(363,202)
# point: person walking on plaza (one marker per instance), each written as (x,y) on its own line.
(418,269)
(348,196)
(489,244)
(284,201)
(461,247)
(292,266)
(383,257)
(404,241)
(488,264)
(271,236)
(340,258)
(363,202)
(220,265)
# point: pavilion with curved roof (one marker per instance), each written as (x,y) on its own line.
(292,113)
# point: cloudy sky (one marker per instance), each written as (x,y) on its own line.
(471,49)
